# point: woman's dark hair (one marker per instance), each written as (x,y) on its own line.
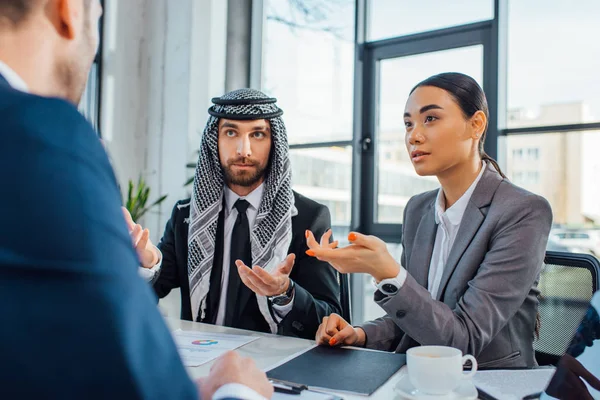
(469,96)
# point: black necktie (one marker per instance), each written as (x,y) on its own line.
(240,250)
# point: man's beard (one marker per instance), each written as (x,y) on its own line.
(73,80)
(243,178)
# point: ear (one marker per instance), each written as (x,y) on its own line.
(478,124)
(67,17)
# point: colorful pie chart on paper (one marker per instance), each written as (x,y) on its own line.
(205,342)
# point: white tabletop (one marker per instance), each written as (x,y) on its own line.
(270,350)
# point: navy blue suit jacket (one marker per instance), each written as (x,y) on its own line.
(76,320)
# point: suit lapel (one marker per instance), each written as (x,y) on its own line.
(418,266)
(3,81)
(468,228)
(471,221)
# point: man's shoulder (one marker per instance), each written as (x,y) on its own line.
(16,106)
(10,97)
(305,205)
(49,146)
(311,215)
(28,118)
(181,211)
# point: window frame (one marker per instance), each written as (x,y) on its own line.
(91,104)
(493,34)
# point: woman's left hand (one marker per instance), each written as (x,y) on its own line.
(366,254)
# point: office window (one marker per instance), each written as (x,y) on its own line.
(526,154)
(553,63)
(533,154)
(308,65)
(549,63)
(89,105)
(325,175)
(390,18)
(518,154)
(565,173)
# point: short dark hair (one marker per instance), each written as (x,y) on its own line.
(16,10)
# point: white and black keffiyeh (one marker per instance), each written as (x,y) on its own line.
(272,232)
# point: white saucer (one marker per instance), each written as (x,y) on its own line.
(465,391)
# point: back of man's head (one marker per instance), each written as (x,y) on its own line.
(16,11)
(50,44)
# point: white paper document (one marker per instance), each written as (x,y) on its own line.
(197,348)
(513,384)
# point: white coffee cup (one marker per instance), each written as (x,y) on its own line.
(437,369)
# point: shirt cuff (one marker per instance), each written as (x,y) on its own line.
(236,391)
(149,274)
(402,276)
(282,311)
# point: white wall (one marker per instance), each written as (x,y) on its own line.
(162,63)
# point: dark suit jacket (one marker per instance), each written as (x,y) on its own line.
(487,299)
(77,321)
(317,285)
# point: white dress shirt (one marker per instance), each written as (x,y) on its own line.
(13,79)
(231,214)
(448,221)
(236,391)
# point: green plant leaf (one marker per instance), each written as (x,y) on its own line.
(158,201)
(137,199)
(129,202)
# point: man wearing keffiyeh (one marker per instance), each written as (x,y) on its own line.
(237,247)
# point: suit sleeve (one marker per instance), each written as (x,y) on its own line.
(504,279)
(317,285)
(383,333)
(77,279)
(168,277)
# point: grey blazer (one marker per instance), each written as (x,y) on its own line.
(487,300)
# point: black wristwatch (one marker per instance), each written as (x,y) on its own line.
(284,298)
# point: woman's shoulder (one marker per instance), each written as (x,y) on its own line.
(514,196)
(513,205)
(422,200)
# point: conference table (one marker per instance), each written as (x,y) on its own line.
(271,350)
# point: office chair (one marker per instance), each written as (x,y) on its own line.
(567,284)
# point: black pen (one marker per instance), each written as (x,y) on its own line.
(281,389)
(533,396)
(484,395)
(287,387)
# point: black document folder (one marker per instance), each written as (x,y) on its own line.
(340,369)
